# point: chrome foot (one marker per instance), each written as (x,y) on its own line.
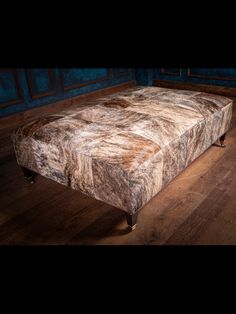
(222,139)
(132,220)
(30,180)
(133,227)
(29,175)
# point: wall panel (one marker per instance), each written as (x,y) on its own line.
(10,90)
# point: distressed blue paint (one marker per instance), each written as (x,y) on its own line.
(122,71)
(144,76)
(170,71)
(176,74)
(111,81)
(216,76)
(8,89)
(75,77)
(215,72)
(82,76)
(40,80)
(212,76)
(41,84)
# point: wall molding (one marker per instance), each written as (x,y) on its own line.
(117,73)
(215,89)
(208,77)
(164,72)
(18,89)
(51,91)
(79,85)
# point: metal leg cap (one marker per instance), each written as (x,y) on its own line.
(30,180)
(133,227)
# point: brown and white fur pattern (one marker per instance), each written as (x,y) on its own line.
(124,148)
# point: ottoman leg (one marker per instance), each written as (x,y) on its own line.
(222,139)
(28,174)
(132,220)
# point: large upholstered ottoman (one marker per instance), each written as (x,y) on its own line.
(123,148)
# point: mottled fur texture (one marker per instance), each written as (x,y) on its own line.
(124,148)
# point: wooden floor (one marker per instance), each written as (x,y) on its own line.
(198,207)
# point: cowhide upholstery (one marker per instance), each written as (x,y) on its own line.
(125,147)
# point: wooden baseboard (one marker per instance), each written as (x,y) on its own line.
(12,121)
(220,90)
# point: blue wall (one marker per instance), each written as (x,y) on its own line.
(213,76)
(22,89)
